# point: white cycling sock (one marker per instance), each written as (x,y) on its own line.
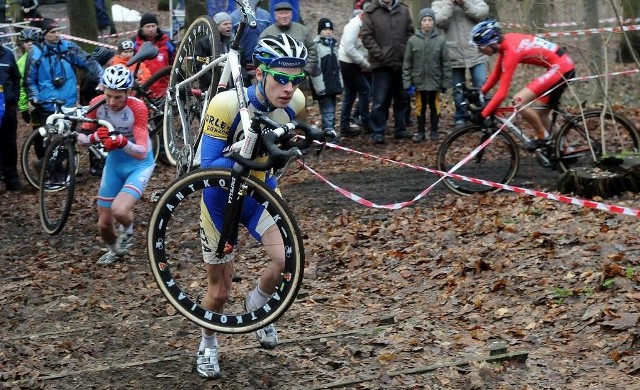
(112,247)
(207,341)
(257,298)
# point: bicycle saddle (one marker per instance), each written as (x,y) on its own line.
(146,51)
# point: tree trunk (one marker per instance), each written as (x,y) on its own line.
(537,15)
(194,8)
(614,177)
(626,54)
(82,22)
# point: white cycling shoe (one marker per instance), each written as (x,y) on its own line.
(207,363)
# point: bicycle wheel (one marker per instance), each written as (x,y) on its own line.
(57,184)
(173,245)
(29,160)
(156,113)
(200,45)
(579,143)
(498,162)
(30,163)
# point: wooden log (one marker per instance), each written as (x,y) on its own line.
(613,177)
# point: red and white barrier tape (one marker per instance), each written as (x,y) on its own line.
(72,38)
(541,194)
(118,34)
(520,190)
(589,31)
(573,24)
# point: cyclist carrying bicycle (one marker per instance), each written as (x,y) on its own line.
(280,62)
(514,49)
(129,163)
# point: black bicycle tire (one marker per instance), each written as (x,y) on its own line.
(455,185)
(56,226)
(156,237)
(591,113)
(32,176)
(202,23)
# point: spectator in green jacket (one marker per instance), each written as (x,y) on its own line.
(426,66)
(27,38)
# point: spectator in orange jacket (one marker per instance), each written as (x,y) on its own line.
(125,52)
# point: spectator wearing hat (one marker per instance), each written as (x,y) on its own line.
(223,20)
(124,54)
(293,5)
(426,66)
(149,31)
(284,24)
(250,39)
(51,74)
(326,79)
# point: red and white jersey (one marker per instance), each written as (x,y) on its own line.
(525,49)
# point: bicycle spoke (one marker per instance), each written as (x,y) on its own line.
(497,162)
(580,143)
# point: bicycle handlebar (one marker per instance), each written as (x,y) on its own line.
(73,118)
(278,142)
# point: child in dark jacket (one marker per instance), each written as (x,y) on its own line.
(326,78)
(426,66)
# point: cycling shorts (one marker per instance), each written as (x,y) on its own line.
(214,201)
(123,173)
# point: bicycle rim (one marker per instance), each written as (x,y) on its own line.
(498,162)
(580,145)
(200,44)
(175,255)
(57,184)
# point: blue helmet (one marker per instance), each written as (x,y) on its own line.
(280,51)
(486,33)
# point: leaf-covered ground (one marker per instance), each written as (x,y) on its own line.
(412,298)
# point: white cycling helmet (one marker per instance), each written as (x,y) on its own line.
(280,51)
(117,77)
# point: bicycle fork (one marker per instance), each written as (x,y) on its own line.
(231,220)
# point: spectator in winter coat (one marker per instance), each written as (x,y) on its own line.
(456,18)
(426,67)
(10,82)
(124,54)
(386,28)
(149,31)
(249,39)
(284,24)
(326,79)
(354,67)
(50,74)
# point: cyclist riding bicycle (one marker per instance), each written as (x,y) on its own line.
(280,62)
(129,164)
(514,49)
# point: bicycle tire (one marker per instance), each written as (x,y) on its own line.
(57,184)
(174,250)
(498,162)
(28,160)
(178,150)
(572,146)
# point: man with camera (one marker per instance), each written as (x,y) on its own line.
(50,74)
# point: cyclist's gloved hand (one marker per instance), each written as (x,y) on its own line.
(117,142)
(99,135)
